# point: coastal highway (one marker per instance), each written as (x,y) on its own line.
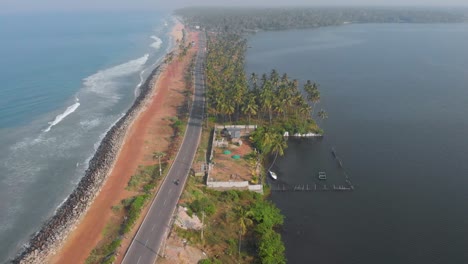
(152,232)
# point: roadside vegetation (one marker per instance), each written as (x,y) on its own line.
(144,183)
(239,226)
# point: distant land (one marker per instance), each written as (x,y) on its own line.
(255,19)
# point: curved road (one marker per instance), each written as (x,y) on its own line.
(145,245)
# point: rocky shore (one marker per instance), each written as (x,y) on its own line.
(46,241)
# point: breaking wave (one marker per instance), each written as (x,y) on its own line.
(59,118)
(157,42)
(104,83)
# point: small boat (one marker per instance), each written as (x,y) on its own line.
(273,175)
(322,175)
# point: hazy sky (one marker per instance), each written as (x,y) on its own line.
(61,5)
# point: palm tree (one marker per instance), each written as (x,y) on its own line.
(244,222)
(305,109)
(244,219)
(254,80)
(278,145)
(250,107)
(158,155)
(322,114)
(266,98)
(313,94)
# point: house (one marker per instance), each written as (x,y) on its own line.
(231,132)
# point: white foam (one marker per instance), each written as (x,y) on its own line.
(157,42)
(60,204)
(59,118)
(104,83)
(136,92)
(90,123)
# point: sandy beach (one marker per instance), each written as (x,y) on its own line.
(149,132)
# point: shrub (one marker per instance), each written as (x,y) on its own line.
(203,204)
(134,212)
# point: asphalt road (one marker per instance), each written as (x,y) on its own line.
(145,245)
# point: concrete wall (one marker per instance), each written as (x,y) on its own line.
(239,184)
(231,184)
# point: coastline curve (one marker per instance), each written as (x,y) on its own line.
(57,228)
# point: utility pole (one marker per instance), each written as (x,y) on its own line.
(202,221)
(206,162)
(240,241)
(160,170)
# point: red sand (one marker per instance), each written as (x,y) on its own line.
(150,132)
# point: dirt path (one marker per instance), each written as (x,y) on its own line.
(150,132)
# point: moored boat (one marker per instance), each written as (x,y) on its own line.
(322,175)
(273,175)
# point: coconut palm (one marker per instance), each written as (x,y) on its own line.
(278,145)
(254,80)
(322,114)
(250,107)
(244,217)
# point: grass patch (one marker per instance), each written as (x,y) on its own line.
(233,217)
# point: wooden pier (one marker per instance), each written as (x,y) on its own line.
(311,188)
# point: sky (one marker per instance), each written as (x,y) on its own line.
(103,5)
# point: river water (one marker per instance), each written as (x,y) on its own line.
(397,100)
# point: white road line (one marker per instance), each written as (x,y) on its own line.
(138,259)
(165,202)
(146,242)
(153,227)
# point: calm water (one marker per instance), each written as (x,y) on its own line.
(397,99)
(65,79)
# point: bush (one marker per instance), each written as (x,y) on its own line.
(149,187)
(203,204)
(210,261)
(134,212)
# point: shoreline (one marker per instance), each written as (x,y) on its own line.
(54,232)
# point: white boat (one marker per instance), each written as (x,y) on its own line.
(273,175)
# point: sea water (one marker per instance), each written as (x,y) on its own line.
(397,101)
(65,79)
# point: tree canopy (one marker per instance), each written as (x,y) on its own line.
(252,19)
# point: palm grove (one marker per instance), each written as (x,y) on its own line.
(272,101)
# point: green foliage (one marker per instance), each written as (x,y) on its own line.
(253,19)
(271,248)
(134,212)
(116,208)
(145,176)
(265,212)
(210,261)
(203,205)
(149,187)
(104,254)
(267,216)
(229,196)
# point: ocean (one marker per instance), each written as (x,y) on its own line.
(65,80)
(397,101)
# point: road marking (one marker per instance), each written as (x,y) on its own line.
(138,259)
(170,190)
(146,242)
(153,227)
(165,202)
